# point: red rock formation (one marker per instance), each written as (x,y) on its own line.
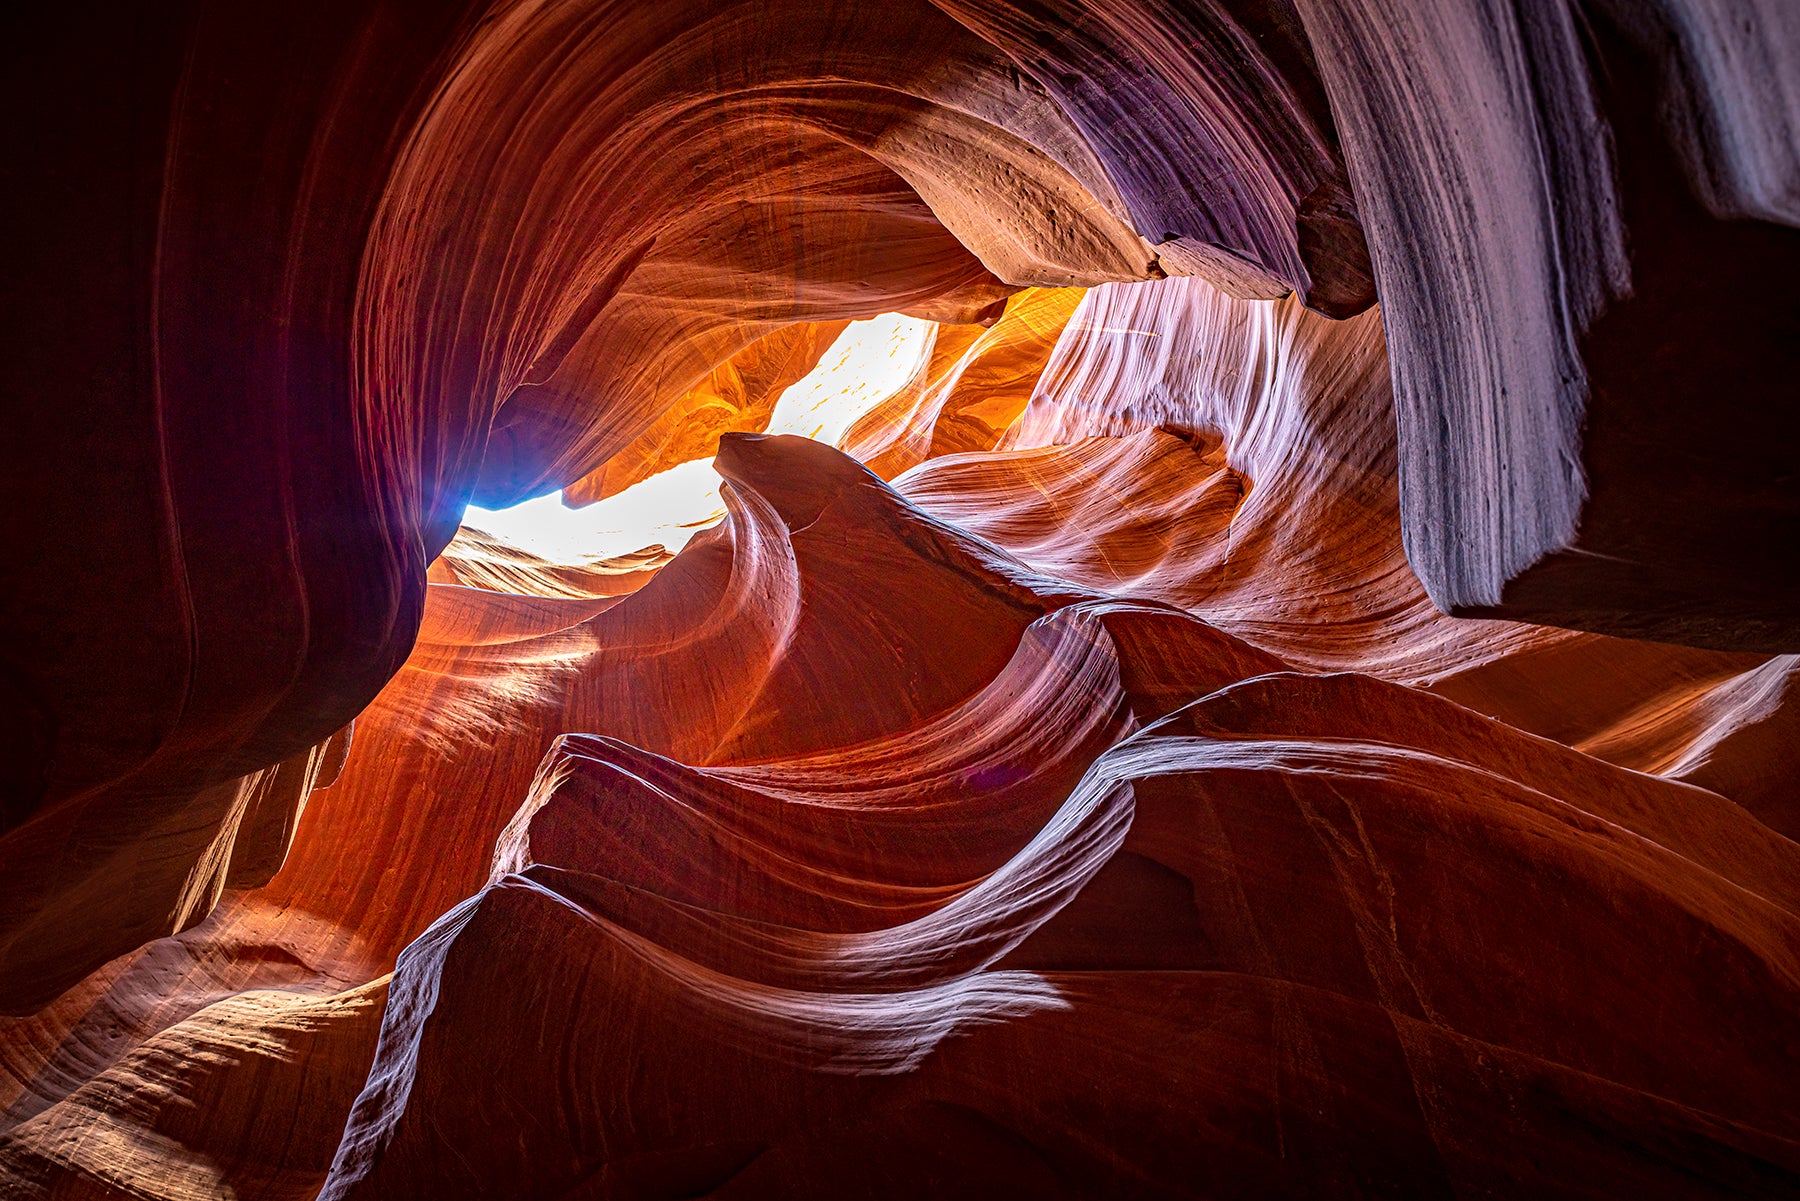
(1087,797)
(1572,211)
(436,240)
(864,918)
(1139,999)
(738,396)
(974,387)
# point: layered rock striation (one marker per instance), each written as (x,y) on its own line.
(1072,781)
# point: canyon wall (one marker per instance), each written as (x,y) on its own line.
(1072,782)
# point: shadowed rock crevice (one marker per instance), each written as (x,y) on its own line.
(1109,758)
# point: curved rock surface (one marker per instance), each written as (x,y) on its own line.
(917,892)
(1068,783)
(1571,209)
(320,275)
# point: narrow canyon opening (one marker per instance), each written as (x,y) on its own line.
(868,363)
(900,599)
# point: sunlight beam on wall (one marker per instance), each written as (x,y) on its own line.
(869,362)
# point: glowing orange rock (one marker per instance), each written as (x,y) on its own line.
(1101,807)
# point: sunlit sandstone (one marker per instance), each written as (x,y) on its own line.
(1023,747)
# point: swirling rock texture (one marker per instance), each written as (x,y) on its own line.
(1073,782)
(1571,208)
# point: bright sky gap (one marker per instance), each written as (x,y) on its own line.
(870,361)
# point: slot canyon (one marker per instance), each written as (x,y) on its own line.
(810,599)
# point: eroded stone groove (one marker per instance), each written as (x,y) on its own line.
(1067,781)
